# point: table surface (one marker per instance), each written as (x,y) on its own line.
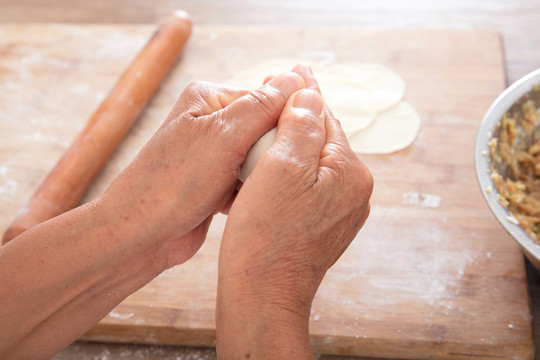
(515,20)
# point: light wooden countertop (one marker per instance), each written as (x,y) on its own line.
(516,20)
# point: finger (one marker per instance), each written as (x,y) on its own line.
(311,83)
(268,78)
(309,78)
(252,115)
(336,151)
(227,94)
(219,97)
(334,132)
(227,207)
(301,131)
(204,98)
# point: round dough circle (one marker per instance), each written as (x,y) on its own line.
(384,87)
(393,129)
(355,92)
(364,97)
(343,98)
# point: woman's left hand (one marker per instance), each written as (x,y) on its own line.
(188,171)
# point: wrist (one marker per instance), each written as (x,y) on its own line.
(149,207)
(129,235)
(264,321)
(260,329)
(248,269)
(167,233)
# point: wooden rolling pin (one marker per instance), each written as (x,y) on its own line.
(68,181)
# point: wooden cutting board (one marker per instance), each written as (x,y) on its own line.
(431,275)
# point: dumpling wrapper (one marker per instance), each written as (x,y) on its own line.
(343,97)
(355,92)
(364,97)
(385,87)
(393,130)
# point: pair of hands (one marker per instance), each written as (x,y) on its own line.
(292,219)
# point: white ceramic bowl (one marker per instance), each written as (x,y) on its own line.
(482,162)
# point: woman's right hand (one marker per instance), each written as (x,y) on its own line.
(293,218)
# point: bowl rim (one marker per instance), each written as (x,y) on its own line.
(482,159)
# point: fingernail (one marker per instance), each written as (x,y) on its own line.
(287,83)
(309,100)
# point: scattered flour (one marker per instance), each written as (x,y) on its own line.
(116,315)
(422,200)
(98,351)
(7,186)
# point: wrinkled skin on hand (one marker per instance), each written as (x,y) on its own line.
(293,218)
(188,170)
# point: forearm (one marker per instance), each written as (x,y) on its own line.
(61,277)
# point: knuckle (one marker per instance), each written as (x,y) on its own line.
(364,182)
(306,123)
(289,165)
(264,102)
(192,94)
(196,86)
(192,88)
(197,90)
(356,178)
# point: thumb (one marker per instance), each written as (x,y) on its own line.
(255,113)
(301,132)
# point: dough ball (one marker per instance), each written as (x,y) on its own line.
(255,153)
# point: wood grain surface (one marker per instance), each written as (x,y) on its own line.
(67,183)
(513,19)
(420,279)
